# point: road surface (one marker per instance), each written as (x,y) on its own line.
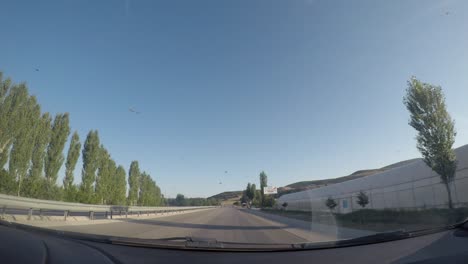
(228,224)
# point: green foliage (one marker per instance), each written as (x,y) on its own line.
(103,179)
(330,203)
(12,98)
(71,193)
(263,184)
(91,153)
(249,193)
(70,190)
(363,199)
(257,201)
(21,151)
(133,182)
(32,146)
(119,189)
(435,127)
(253,191)
(54,160)
(268,201)
(149,194)
(181,200)
(35,182)
(7,184)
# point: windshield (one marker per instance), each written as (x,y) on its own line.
(251,122)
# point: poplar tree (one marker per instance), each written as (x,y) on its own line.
(34,183)
(72,158)
(133,182)
(90,153)
(436,130)
(21,152)
(54,160)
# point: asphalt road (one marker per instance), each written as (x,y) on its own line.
(227,224)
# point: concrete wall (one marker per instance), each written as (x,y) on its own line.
(408,187)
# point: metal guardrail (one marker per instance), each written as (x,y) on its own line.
(21,205)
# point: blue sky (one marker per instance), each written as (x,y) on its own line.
(302,89)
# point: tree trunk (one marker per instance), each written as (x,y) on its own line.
(2,148)
(449,193)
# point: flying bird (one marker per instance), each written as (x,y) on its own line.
(36,69)
(220,183)
(225,171)
(131,109)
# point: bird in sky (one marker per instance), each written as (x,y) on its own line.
(225,171)
(131,109)
(36,69)
(220,183)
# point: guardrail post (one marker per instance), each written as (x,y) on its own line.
(106,214)
(65,215)
(111,213)
(30,211)
(3,212)
(138,213)
(126,214)
(91,215)
(40,214)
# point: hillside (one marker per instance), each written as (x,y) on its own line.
(227,195)
(307,185)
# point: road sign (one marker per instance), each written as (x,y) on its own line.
(270,190)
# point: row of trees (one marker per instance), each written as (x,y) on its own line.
(256,197)
(31,155)
(181,200)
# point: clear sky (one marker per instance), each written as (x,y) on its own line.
(302,89)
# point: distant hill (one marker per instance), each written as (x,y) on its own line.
(307,185)
(399,164)
(227,195)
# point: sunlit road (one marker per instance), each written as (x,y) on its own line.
(224,224)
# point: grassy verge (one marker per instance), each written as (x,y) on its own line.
(381,220)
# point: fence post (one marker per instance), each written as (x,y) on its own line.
(40,214)
(126,214)
(106,214)
(111,213)
(30,211)
(65,214)
(91,215)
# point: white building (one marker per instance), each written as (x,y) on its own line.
(411,186)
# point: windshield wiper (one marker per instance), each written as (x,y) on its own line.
(200,243)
